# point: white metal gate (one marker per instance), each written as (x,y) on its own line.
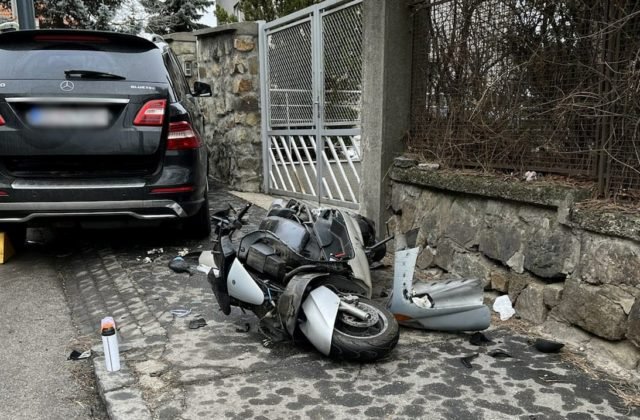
(311,67)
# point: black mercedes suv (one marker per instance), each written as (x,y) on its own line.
(98,125)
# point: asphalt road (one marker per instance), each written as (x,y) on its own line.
(36,336)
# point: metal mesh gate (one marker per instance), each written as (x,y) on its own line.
(311,102)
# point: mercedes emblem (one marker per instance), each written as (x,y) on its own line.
(67,86)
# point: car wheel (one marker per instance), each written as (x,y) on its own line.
(198,226)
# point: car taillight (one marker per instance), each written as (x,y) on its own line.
(182,136)
(1,120)
(152,113)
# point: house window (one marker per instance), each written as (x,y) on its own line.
(188,68)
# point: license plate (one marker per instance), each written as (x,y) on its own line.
(68,117)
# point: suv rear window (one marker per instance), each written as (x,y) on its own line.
(48,60)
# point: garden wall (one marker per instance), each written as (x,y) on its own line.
(228,60)
(572,270)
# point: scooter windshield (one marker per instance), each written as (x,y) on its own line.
(333,236)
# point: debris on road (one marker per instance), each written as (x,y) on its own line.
(479,339)
(180,313)
(179,265)
(206,258)
(194,324)
(503,306)
(547,346)
(76,355)
(203,268)
(499,354)
(466,360)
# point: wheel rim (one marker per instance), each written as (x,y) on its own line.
(353,327)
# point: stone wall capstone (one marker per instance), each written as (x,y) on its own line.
(229,61)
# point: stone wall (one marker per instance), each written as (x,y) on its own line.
(228,60)
(183,44)
(569,272)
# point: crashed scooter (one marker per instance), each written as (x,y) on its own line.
(445,305)
(306,272)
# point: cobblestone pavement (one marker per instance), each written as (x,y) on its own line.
(221,371)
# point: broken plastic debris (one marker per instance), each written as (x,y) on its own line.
(423,301)
(206,258)
(203,268)
(76,355)
(180,313)
(146,260)
(466,360)
(547,346)
(503,306)
(183,252)
(479,339)
(194,324)
(499,354)
(155,251)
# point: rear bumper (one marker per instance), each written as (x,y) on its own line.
(138,209)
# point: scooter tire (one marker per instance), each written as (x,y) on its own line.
(370,344)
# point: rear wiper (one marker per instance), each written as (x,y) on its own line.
(92,74)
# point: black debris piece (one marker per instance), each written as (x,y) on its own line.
(499,354)
(547,346)
(479,339)
(179,265)
(194,324)
(76,355)
(466,360)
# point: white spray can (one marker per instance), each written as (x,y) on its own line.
(110,344)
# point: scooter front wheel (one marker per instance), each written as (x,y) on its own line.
(364,340)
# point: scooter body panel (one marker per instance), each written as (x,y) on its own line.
(290,302)
(321,310)
(241,285)
(457,303)
(359,263)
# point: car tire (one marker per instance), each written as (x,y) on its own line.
(198,226)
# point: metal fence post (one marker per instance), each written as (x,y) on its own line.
(26,14)
(318,64)
(264,104)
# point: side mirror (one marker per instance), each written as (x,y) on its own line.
(201,89)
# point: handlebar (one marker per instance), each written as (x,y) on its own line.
(243,212)
(225,225)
